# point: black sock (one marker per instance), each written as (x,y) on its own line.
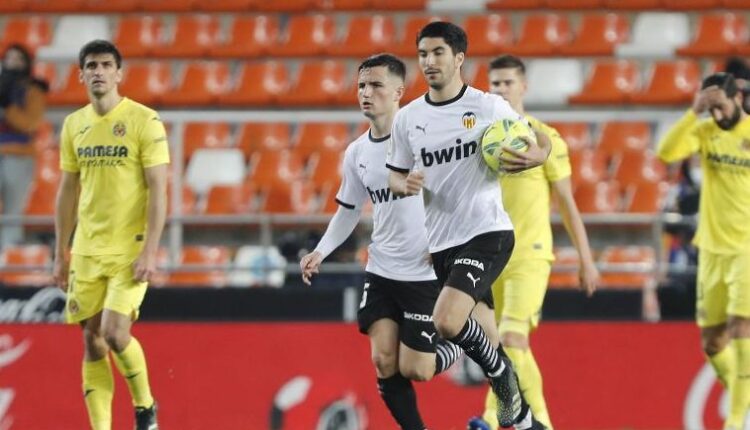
(475,344)
(446,353)
(399,395)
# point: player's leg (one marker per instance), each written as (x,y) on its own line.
(738,280)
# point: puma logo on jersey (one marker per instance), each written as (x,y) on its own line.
(471,278)
(382,195)
(446,155)
(428,336)
(469,262)
(423,129)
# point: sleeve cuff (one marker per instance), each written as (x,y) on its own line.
(396,169)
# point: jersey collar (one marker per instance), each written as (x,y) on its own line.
(446,102)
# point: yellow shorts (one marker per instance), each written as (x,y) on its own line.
(519,294)
(97,282)
(723,287)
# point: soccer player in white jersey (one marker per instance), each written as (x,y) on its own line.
(400,286)
(434,149)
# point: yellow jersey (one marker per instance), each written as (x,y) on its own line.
(724,208)
(109,153)
(526,198)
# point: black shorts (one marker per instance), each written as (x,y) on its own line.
(408,303)
(474,266)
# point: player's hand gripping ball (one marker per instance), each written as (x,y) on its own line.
(505,133)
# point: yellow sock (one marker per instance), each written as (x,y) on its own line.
(724,364)
(739,388)
(490,410)
(131,363)
(98,390)
(532,387)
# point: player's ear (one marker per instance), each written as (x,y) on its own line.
(460,57)
(399,93)
(80,75)
(118,75)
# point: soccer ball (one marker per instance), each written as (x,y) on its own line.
(501,134)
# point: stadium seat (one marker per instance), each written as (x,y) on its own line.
(366,35)
(46,139)
(31,32)
(54,6)
(189,201)
(285,6)
(308,35)
(736,4)
(542,35)
(717,34)
(111,6)
(632,4)
(515,4)
(400,4)
(250,36)
(72,32)
(551,82)
(345,5)
(349,96)
(136,36)
(194,36)
(598,34)
(13,6)
(212,135)
(202,172)
(312,137)
(488,34)
(296,197)
(656,34)
(47,71)
(589,166)
(230,199)
(638,258)
(480,79)
(598,197)
(41,198)
(258,266)
(318,83)
(672,82)
(574,4)
(215,258)
(47,166)
(168,5)
(226,5)
(328,204)
(576,134)
(148,82)
(258,84)
(691,4)
(565,268)
(263,137)
(13,259)
(270,167)
(406,46)
(202,84)
(326,170)
(646,197)
(610,82)
(637,167)
(71,92)
(624,136)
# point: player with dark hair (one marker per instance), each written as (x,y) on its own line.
(723,235)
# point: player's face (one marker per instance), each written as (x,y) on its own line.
(724,110)
(378,91)
(508,83)
(440,66)
(100,74)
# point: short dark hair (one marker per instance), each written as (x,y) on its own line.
(724,81)
(508,62)
(738,68)
(453,35)
(391,62)
(25,53)
(99,46)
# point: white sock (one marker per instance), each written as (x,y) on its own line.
(499,371)
(525,423)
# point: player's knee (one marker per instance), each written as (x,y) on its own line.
(511,339)
(385,363)
(420,373)
(714,343)
(447,325)
(116,339)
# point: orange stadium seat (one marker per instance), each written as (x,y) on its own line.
(349,96)
(691,4)
(567,278)
(598,34)
(632,4)
(215,256)
(258,84)
(110,6)
(226,5)
(147,82)
(736,4)
(574,4)
(515,4)
(576,134)
(45,138)
(71,92)
(313,137)
(47,71)
(26,255)
(326,170)
(308,35)
(407,44)
(296,197)
(41,198)
(250,36)
(624,136)
(635,257)
(610,82)
(589,166)
(646,197)
(637,167)
(672,82)
(230,199)
(54,6)
(189,201)
(318,83)
(263,136)
(275,166)
(13,6)
(400,4)
(168,5)
(598,197)
(285,6)
(717,34)
(488,34)
(416,86)
(341,5)
(47,168)
(205,135)
(137,36)
(480,78)
(542,34)
(194,36)
(202,84)
(366,35)
(31,32)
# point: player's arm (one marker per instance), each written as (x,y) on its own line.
(535,155)
(339,228)
(156,212)
(405,183)
(403,180)
(66,204)
(587,272)
(682,140)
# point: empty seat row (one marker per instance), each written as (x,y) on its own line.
(629,266)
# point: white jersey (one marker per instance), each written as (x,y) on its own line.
(462,196)
(399,248)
